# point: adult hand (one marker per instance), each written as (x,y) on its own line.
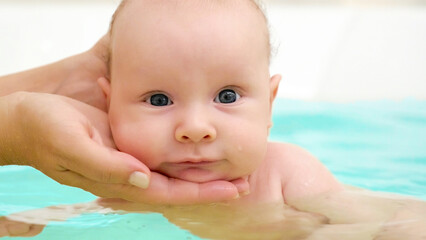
(71,142)
(13,228)
(83,72)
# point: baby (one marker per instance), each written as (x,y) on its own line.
(191,96)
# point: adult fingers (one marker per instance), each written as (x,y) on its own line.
(162,190)
(15,228)
(242,185)
(106,190)
(100,49)
(33,230)
(3,227)
(104,165)
(174,191)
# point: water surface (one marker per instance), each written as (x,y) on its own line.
(380,146)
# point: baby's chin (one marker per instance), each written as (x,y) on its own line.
(198,175)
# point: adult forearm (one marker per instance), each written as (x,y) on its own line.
(7,105)
(42,79)
(74,77)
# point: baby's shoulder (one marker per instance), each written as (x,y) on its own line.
(287,153)
(301,173)
(286,159)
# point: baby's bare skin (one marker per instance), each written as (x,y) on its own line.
(289,173)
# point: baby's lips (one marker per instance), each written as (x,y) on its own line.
(242,185)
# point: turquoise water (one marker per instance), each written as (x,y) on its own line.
(375,145)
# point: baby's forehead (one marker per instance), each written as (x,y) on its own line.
(232,10)
(236,7)
(130,32)
(192,4)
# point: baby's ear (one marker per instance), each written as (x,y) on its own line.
(274,82)
(106,88)
(273,86)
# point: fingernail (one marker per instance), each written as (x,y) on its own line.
(139,179)
(236,196)
(245,193)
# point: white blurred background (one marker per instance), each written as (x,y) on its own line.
(326,50)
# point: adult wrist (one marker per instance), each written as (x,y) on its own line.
(8,128)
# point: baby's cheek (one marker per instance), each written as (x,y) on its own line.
(143,143)
(250,147)
(256,153)
(125,137)
(124,140)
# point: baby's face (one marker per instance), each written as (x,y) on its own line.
(190,90)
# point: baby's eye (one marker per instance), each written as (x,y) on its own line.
(227,96)
(159,100)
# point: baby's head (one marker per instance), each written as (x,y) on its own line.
(190,92)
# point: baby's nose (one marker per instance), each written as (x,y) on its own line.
(195,132)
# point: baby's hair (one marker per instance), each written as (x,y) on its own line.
(256,3)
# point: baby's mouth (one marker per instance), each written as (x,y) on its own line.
(199,170)
(195,164)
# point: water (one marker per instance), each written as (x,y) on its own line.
(375,145)
(380,146)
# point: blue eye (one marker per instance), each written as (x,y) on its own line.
(227,96)
(159,100)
